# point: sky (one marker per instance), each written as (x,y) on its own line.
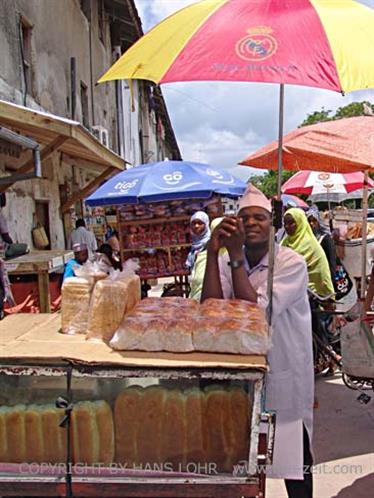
(221,123)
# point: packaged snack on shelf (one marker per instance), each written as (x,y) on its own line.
(111,300)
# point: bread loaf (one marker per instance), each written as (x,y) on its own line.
(105,427)
(15,434)
(111,300)
(195,427)
(34,435)
(3,435)
(173,430)
(75,305)
(128,407)
(54,436)
(150,432)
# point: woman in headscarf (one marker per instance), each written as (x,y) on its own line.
(200,233)
(198,271)
(301,239)
(323,235)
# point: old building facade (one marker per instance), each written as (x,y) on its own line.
(53,52)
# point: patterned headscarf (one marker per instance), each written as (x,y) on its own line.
(313,212)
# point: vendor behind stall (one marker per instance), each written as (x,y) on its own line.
(242,273)
(106,259)
(81,235)
(80,257)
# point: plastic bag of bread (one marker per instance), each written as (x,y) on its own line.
(91,272)
(158,324)
(112,298)
(75,305)
(231,326)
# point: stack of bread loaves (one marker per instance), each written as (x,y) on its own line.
(96,304)
(111,300)
(184,429)
(181,325)
(31,433)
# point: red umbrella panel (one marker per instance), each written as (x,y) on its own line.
(317,182)
(343,146)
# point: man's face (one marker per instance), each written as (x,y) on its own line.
(81,256)
(256,221)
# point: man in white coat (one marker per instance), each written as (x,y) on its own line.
(242,272)
(81,235)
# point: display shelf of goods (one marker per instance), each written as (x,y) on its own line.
(161,262)
(128,426)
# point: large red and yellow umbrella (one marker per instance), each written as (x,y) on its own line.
(317,43)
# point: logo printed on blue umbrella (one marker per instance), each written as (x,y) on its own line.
(173,178)
(125,187)
(219,177)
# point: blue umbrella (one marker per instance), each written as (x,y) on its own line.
(166,181)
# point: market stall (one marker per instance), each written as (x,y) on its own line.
(141,423)
(43,265)
(154,204)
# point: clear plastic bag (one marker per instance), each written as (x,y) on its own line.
(112,298)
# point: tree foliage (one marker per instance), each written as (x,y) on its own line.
(267,182)
(348,111)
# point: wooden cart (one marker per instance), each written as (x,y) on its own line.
(36,351)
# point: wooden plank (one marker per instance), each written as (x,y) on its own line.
(90,143)
(87,189)
(44,154)
(38,261)
(29,119)
(44,295)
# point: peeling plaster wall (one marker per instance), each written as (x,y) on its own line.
(60,31)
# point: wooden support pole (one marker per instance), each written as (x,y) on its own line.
(87,189)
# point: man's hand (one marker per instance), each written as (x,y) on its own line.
(230,234)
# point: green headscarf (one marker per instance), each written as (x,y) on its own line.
(304,243)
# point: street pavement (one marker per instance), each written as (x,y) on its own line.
(343,444)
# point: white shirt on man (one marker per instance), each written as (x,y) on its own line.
(290,380)
(81,235)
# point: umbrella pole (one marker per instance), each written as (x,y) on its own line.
(277,207)
(280,140)
(364,236)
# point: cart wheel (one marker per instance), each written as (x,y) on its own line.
(353,383)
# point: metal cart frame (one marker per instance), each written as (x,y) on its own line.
(249,485)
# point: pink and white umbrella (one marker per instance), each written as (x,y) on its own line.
(318,182)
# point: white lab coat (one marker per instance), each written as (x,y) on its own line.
(290,381)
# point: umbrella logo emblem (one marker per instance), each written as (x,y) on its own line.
(124,187)
(324,176)
(173,178)
(258,45)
